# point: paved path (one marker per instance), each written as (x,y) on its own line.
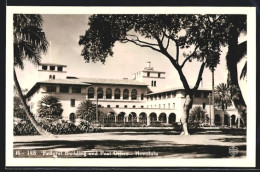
(131,145)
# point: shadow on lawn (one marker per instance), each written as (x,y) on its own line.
(164,149)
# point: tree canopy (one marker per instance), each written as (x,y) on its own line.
(199,36)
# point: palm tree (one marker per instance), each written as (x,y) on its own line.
(86,110)
(198,114)
(49,106)
(29,42)
(222,96)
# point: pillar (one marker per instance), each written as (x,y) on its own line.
(238,122)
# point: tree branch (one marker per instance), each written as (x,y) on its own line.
(137,39)
(190,56)
(140,45)
(199,76)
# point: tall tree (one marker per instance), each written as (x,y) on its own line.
(235,25)
(222,96)
(29,42)
(198,36)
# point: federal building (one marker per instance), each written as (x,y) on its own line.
(141,98)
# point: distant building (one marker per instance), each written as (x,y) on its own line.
(121,99)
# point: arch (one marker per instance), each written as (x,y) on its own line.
(217,119)
(126,94)
(100,93)
(172,118)
(133,94)
(153,117)
(117,93)
(108,93)
(225,119)
(163,118)
(143,118)
(91,93)
(72,117)
(111,116)
(121,116)
(233,119)
(132,117)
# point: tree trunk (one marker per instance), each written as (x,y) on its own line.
(27,110)
(231,58)
(185,114)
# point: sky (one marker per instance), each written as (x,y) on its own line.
(63,31)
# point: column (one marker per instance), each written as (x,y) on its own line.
(167,119)
(238,122)
(148,120)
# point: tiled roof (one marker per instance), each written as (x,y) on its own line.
(176,89)
(63,81)
(53,64)
(108,81)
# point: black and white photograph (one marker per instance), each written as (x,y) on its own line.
(131,86)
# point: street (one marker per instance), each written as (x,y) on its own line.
(162,144)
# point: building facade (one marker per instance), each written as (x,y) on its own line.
(124,100)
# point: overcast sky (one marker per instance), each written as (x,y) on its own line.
(63,32)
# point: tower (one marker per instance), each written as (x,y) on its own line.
(47,71)
(155,79)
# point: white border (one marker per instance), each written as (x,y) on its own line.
(249,161)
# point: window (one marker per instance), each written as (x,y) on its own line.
(99,106)
(91,92)
(142,96)
(197,94)
(154,83)
(64,88)
(164,106)
(44,67)
(52,67)
(60,68)
(51,88)
(148,74)
(206,94)
(173,105)
(204,105)
(108,106)
(50,76)
(142,106)
(117,93)
(100,93)
(72,102)
(108,93)
(125,94)
(117,106)
(53,76)
(76,89)
(125,106)
(159,75)
(133,106)
(134,94)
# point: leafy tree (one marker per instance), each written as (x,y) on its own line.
(197,36)
(197,114)
(222,96)
(29,42)
(86,110)
(49,106)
